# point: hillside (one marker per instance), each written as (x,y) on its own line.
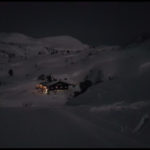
(113,111)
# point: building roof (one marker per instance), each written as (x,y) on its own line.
(54,83)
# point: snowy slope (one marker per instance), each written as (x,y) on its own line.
(115,108)
(22,45)
(62,42)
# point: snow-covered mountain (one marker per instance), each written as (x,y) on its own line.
(21,45)
(114,108)
(14,38)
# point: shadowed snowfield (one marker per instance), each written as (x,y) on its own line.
(113,112)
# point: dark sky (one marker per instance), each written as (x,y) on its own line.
(91,22)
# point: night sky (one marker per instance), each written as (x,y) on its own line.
(91,22)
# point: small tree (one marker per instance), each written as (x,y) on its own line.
(49,78)
(39,53)
(10,72)
(85,85)
(41,77)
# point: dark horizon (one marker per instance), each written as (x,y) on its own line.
(92,23)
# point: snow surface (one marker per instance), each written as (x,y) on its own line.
(111,113)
